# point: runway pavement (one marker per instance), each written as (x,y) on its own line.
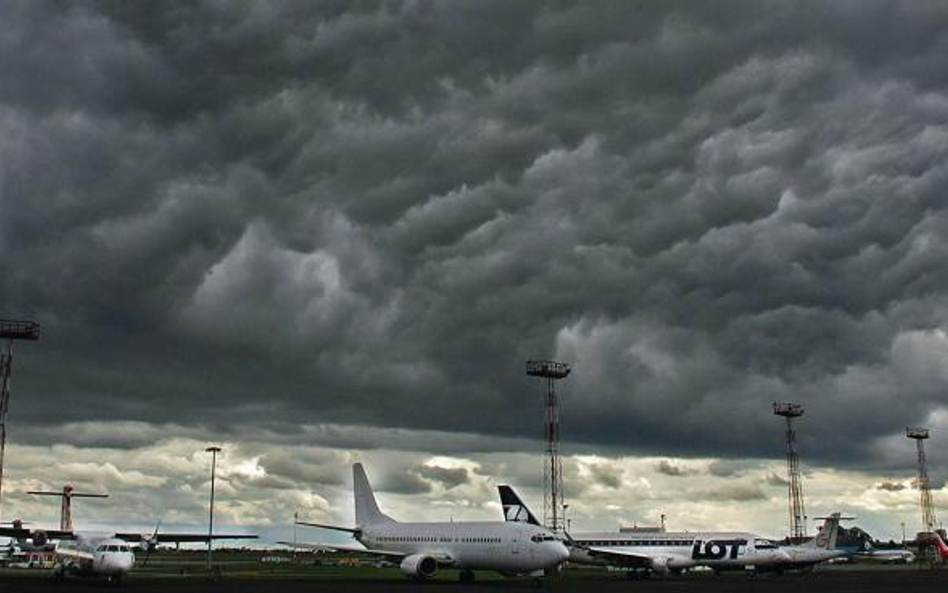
(833,580)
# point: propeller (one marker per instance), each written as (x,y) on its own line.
(149,543)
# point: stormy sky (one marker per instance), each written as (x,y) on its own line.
(321,232)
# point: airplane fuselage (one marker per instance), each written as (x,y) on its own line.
(675,551)
(94,556)
(507,547)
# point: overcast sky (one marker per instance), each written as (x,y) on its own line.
(321,232)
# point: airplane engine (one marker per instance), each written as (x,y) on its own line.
(417,565)
(39,538)
(660,566)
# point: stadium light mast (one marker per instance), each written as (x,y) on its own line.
(790,411)
(10,329)
(920,435)
(553,510)
(210,520)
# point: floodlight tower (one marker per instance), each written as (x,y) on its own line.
(791,411)
(10,330)
(213,450)
(925,491)
(553,468)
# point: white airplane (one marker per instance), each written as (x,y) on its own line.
(97,555)
(103,555)
(421,548)
(883,556)
(821,548)
(662,552)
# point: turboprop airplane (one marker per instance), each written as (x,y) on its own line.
(659,553)
(421,548)
(103,555)
(98,555)
(821,548)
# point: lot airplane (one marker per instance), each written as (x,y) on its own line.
(660,553)
(513,549)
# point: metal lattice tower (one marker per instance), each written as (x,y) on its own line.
(68,493)
(553,467)
(924,488)
(10,330)
(790,411)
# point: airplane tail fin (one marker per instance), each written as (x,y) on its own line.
(942,548)
(514,509)
(829,532)
(366,509)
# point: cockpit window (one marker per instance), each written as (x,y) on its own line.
(123,548)
(542,538)
(764,544)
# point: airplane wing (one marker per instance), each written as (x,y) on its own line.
(620,558)
(179,538)
(443,559)
(332,527)
(20,533)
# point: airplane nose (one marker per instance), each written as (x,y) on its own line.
(560,552)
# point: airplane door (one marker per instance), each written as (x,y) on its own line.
(515,545)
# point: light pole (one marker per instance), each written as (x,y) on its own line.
(296,520)
(210,522)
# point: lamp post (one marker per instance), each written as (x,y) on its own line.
(210,522)
(296,520)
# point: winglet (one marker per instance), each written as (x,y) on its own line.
(514,509)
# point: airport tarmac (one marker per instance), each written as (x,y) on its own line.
(831,580)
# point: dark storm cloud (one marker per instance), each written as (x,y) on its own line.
(372,214)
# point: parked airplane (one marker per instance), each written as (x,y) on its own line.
(662,552)
(98,555)
(940,546)
(883,556)
(821,548)
(421,548)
